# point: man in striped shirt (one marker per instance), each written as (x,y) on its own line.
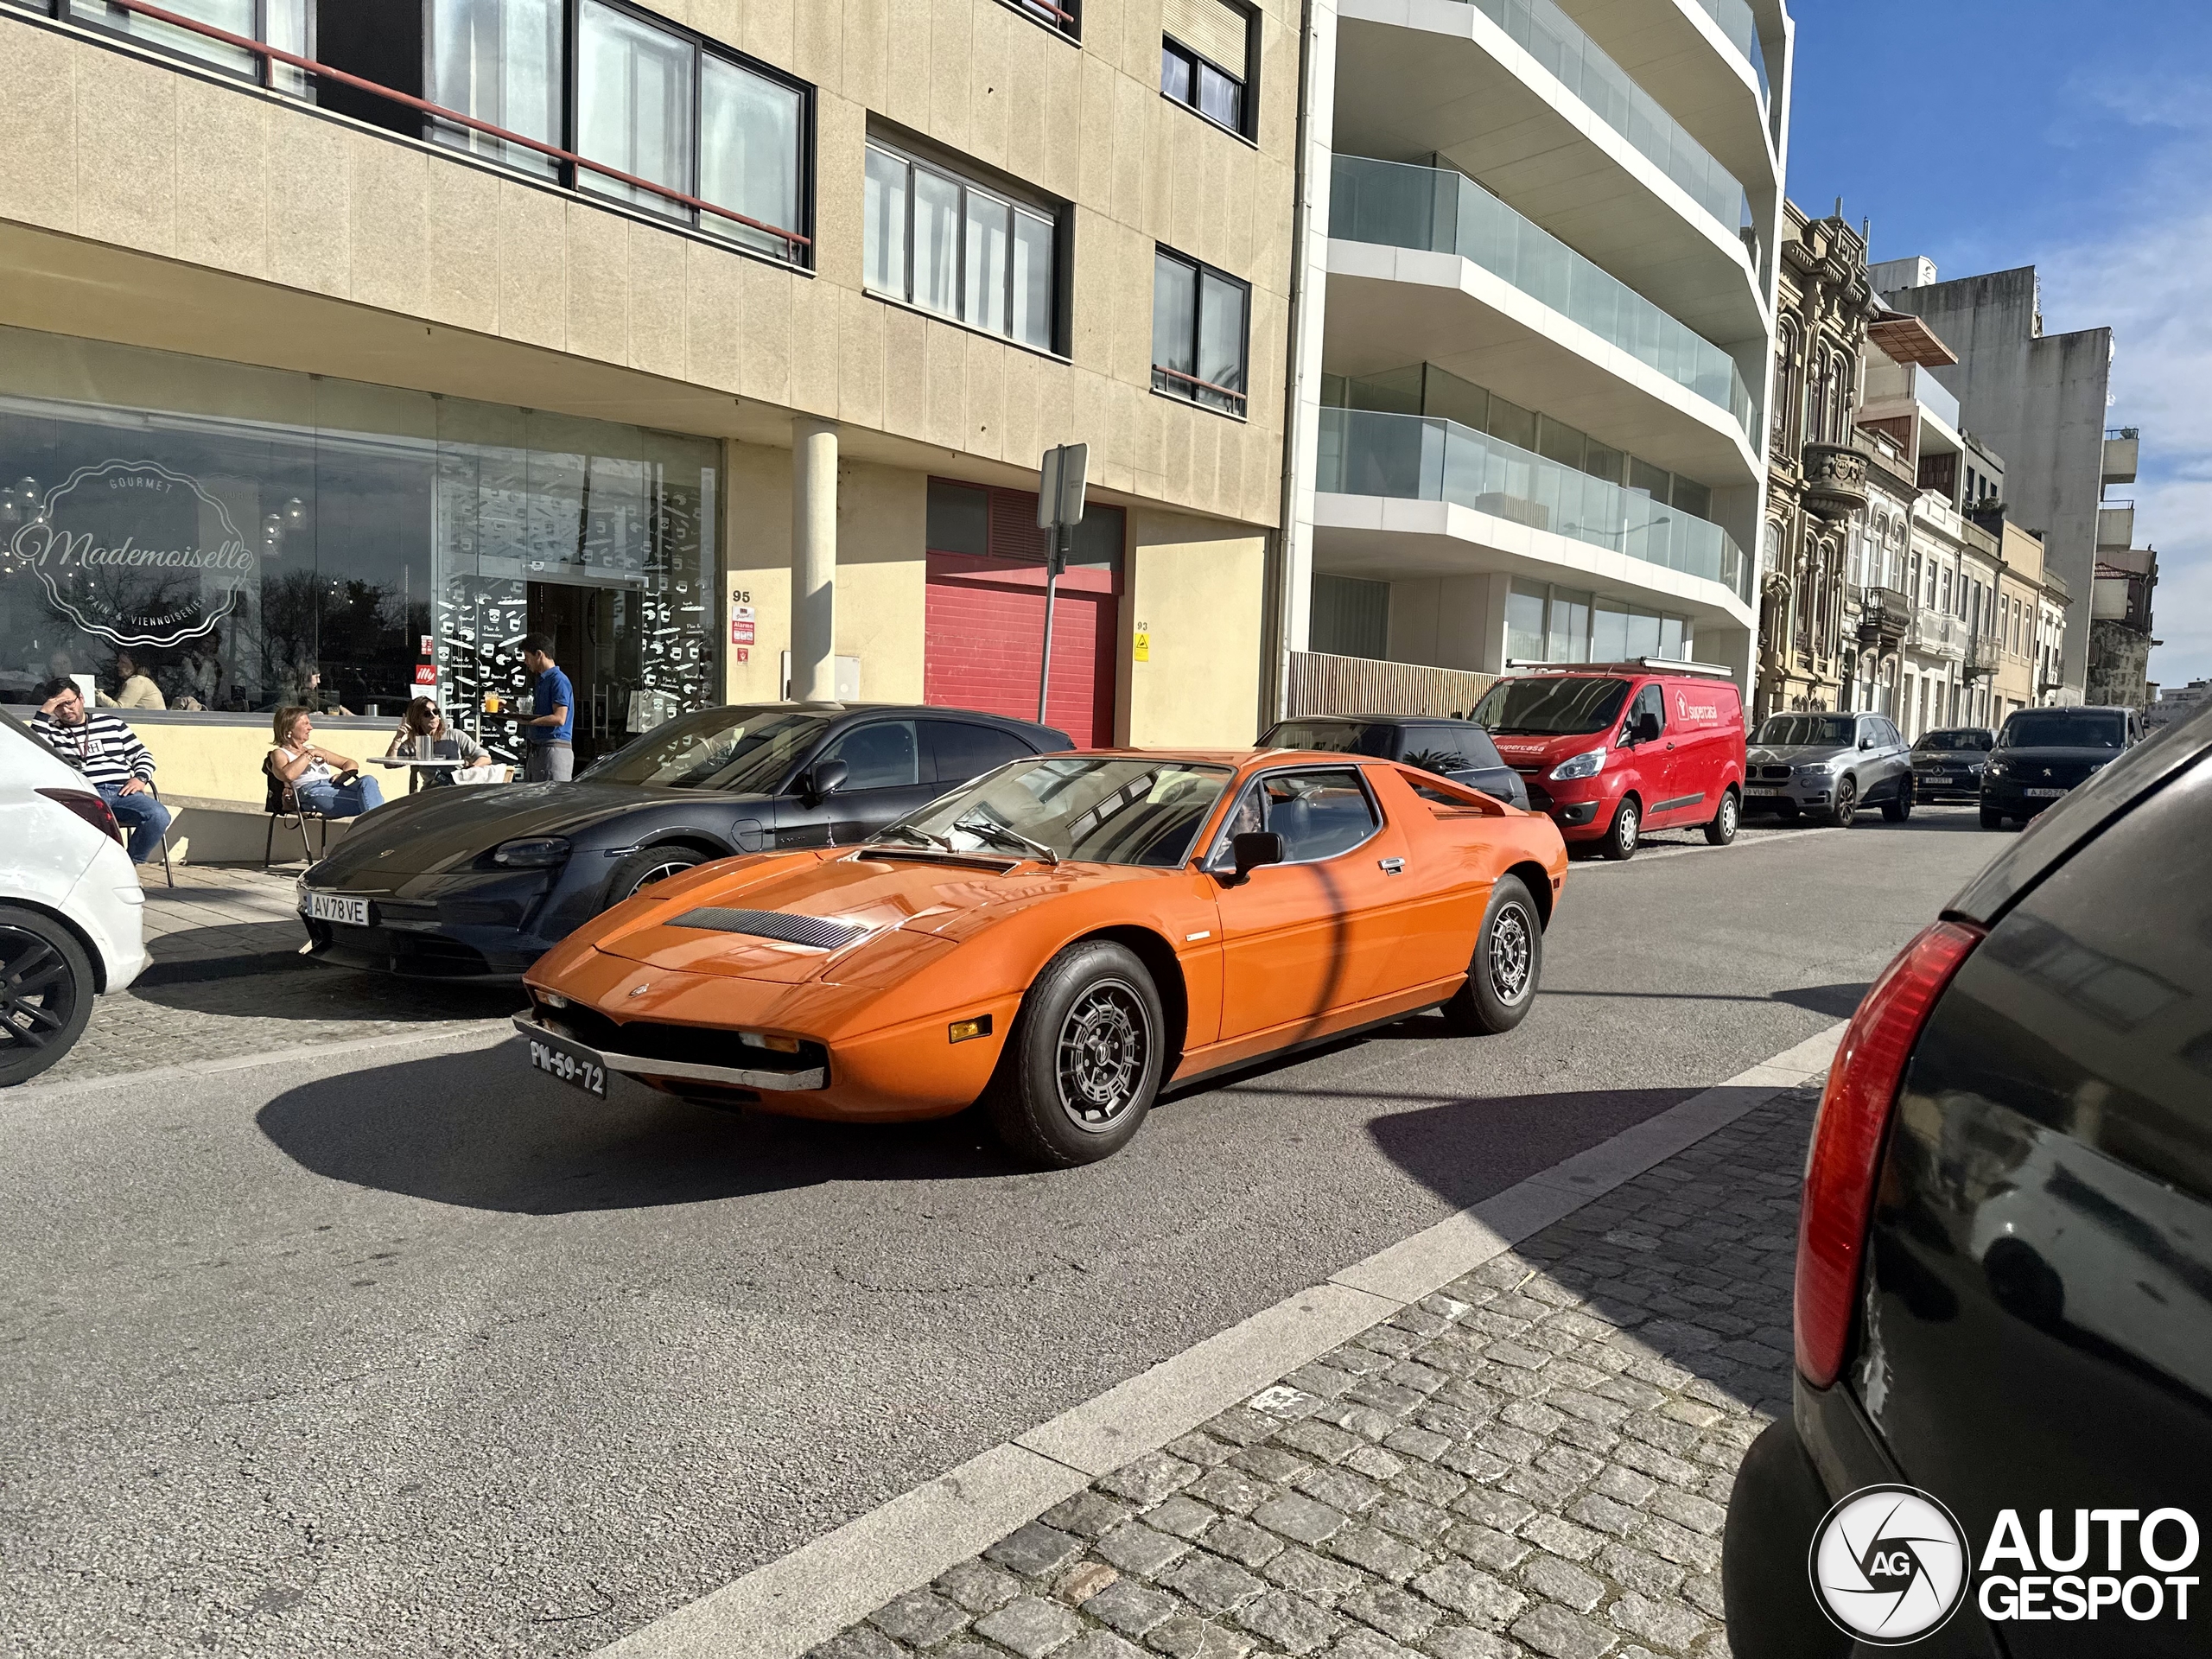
(114,762)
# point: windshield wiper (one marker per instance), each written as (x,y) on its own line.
(918,834)
(991,829)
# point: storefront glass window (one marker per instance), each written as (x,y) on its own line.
(251,537)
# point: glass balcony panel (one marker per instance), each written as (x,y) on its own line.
(1424,458)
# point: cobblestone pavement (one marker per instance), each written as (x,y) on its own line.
(1534,1460)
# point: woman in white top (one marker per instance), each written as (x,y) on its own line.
(314,772)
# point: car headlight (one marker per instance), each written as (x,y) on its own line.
(531,853)
(1812,774)
(1994,769)
(1585,764)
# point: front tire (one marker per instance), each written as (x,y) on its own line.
(46,993)
(1083,1061)
(646,866)
(1506,969)
(1722,830)
(1846,810)
(1898,811)
(1626,831)
(1991,819)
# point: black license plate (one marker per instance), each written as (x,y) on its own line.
(571,1065)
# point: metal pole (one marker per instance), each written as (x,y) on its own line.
(1052,582)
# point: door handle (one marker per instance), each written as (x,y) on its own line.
(1392,866)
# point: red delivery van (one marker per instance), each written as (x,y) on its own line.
(1610,750)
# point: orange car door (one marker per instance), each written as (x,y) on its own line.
(1305,938)
(1439,898)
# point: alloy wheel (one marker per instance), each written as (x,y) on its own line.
(1847,801)
(655,872)
(1104,1049)
(1511,954)
(38,993)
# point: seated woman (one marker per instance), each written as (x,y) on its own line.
(424,736)
(315,773)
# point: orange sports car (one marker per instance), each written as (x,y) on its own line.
(1058,939)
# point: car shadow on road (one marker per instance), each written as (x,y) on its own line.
(478,1130)
(315,992)
(1454,1148)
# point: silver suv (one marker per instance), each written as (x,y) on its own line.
(1828,765)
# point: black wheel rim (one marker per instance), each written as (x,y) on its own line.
(658,873)
(1512,955)
(1103,1053)
(38,993)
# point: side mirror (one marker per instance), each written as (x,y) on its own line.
(826,780)
(1254,848)
(1647,728)
(1867,741)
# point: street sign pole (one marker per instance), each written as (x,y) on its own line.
(1060,510)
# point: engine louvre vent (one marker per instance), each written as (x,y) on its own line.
(815,932)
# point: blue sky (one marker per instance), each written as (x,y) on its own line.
(2071,136)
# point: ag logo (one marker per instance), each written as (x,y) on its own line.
(1889,1565)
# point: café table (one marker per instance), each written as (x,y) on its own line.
(416,768)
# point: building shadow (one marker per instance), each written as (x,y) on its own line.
(1468,1149)
(479,1130)
(297,988)
(1837,1001)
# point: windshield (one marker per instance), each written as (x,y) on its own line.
(1805,732)
(737,751)
(1552,707)
(2065,728)
(1954,742)
(1331,737)
(1107,810)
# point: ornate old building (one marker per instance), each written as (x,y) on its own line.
(1816,475)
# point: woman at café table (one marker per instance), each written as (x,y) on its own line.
(422,728)
(314,772)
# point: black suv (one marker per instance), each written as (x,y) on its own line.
(1457,749)
(2004,1282)
(2042,754)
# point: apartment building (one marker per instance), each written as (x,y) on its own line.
(343,342)
(1535,298)
(2031,630)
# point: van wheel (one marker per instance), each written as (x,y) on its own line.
(1507,964)
(648,865)
(1627,828)
(46,992)
(1083,1059)
(1722,830)
(1898,811)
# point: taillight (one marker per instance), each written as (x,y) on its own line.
(1847,1140)
(89,807)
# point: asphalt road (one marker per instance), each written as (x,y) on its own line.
(414,1352)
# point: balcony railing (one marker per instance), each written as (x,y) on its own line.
(1427,458)
(1400,206)
(1734,20)
(1557,42)
(1937,631)
(1884,614)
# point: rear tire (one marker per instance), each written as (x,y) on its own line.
(1083,1061)
(1506,967)
(646,866)
(1624,832)
(1722,830)
(1992,819)
(46,993)
(1898,811)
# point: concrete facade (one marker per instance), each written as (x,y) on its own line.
(154,201)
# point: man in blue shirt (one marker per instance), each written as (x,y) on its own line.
(551,728)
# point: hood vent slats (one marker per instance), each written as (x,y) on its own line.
(815,932)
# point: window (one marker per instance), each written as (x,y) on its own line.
(1317,814)
(1199,333)
(881,755)
(282,23)
(1204,59)
(942,242)
(498,61)
(1649,701)
(1062,18)
(635,96)
(963,751)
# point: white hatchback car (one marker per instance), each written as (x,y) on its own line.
(72,916)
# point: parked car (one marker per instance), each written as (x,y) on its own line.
(71,912)
(2042,754)
(1457,749)
(2003,1276)
(1828,766)
(1610,750)
(478,883)
(1059,939)
(1947,764)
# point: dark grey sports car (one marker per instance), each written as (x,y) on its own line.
(480,882)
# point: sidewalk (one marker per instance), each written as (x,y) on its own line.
(219,913)
(1534,1460)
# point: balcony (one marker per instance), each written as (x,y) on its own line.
(2116,524)
(1981,657)
(2123,448)
(1835,480)
(1704,60)
(1427,458)
(1515,93)
(1937,632)
(1884,617)
(1436,210)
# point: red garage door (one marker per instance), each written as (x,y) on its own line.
(985,622)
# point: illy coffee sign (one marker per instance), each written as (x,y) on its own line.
(135,553)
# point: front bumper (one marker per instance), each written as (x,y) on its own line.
(653,1068)
(2019,800)
(479,926)
(1957,783)
(1578,808)
(1787,795)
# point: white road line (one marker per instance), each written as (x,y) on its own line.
(1653,855)
(470,1034)
(780,1610)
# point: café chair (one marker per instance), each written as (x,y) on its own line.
(280,804)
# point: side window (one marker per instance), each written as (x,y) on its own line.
(963,751)
(881,756)
(1433,748)
(1317,814)
(1649,701)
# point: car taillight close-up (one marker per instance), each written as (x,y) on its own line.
(89,807)
(1854,1116)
